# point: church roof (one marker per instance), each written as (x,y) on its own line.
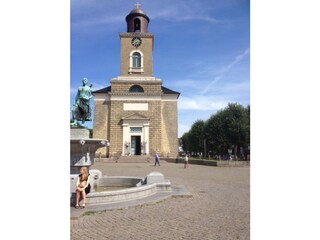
(103,90)
(168,91)
(164,90)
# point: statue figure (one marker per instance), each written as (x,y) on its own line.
(81,108)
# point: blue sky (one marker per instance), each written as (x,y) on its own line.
(202,50)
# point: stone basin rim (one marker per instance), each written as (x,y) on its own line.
(127,190)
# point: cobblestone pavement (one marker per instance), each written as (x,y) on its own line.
(219,208)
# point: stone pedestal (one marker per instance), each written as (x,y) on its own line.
(155,177)
(82,149)
(79,133)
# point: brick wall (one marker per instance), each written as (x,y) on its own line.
(117,113)
(169,134)
(126,48)
(101,126)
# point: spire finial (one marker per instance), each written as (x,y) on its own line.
(138,5)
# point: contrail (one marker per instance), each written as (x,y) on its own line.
(226,69)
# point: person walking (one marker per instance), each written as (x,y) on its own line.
(156,158)
(186,161)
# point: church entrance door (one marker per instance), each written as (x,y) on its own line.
(135,145)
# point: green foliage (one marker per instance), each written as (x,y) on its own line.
(193,140)
(228,128)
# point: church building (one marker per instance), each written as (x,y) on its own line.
(136,113)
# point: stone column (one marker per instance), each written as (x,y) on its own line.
(125,134)
(146,137)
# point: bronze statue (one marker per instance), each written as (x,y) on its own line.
(81,110)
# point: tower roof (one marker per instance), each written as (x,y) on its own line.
(137,10)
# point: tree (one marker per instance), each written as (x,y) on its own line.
(185,142)
(237,126)
(215,134)
(193,140)
(228,128)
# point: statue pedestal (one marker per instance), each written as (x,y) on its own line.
(82,149)
(79,133)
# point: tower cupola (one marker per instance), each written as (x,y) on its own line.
(137,20)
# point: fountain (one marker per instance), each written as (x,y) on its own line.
(82,153)
(127,188)
(108,189)
(82,147)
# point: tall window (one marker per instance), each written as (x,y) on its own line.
(136,60)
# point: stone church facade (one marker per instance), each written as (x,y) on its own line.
(136,113)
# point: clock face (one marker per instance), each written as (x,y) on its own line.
(136,41)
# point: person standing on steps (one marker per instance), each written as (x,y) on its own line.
(156,158)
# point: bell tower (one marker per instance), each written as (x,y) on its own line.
(136,113)
(136,45)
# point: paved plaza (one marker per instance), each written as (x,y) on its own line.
(218,209)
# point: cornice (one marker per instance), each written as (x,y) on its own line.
(135,94)
(141,78)
(136,34)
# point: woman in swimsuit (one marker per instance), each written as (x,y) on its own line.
(83,186)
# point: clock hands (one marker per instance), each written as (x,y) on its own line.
(136,41)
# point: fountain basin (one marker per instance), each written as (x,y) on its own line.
(136,188)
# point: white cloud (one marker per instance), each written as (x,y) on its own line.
(182,10)
(90,13)
(201,103)
(208,78)
(97,20)
(196,85)
(176,13)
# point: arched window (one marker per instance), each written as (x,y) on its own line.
(136,89)
(136,60)
(137,25)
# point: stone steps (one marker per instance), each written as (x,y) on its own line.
(127,159)
(135,159)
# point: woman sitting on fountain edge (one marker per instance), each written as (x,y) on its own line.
(83,186)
